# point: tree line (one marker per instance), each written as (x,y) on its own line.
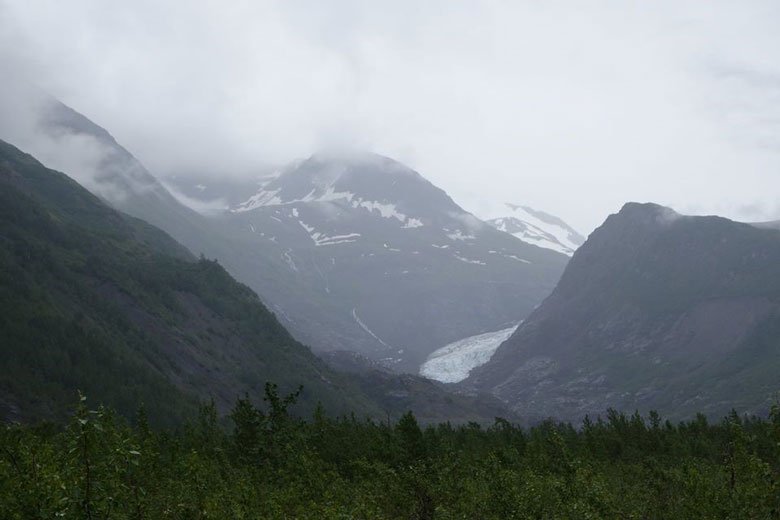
(262,461)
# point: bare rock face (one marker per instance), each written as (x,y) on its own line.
(655,311)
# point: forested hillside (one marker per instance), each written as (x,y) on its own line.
(98,301)
(94,300)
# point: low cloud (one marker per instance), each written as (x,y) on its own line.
(570,108)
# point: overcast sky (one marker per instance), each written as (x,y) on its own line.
(571,107)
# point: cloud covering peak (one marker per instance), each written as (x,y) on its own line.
(571,107)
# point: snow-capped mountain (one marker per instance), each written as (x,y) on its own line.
(453,363)
(369,256)
(353,252)
(538,228)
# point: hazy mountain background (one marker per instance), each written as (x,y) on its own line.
(97,301)
(321,178)
(569,109)
(352,252)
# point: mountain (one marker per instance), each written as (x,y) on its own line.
(350,252)
(98,301)
(362,253)
(655,311)
(538,228)
(101,302)
(96,160)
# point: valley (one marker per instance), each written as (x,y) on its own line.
(389,260)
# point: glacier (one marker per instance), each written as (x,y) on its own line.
(452,363)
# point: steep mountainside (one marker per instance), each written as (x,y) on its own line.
(655,311)
(373,258)
(538,228)
(107,304)
(109,171)
(101,302)
(357,253)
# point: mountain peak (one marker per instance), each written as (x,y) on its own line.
(538,228)
(352,179)
(332,219)
(649,212)
(352,157)
(354,164)
(656,310)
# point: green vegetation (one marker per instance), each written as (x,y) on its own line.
(268,464)
(92,299)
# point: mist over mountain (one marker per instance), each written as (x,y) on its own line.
(96,301)
(656,310)
(356,259)
(391,266)
(350,250)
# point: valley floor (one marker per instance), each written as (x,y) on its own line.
(267,464)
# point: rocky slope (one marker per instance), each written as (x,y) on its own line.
(656,311)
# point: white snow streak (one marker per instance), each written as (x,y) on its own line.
(466,260)
(384,209)
(369,331)
(321,239)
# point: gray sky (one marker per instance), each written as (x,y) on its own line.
(571,107)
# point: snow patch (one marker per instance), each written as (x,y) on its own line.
(513,257)
(321,239)
(535,228)
(328,194)
(459,235)
(287,257)
(261,198)
(468,261)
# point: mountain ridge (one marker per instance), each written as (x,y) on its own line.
(655,311)
(105,303)
(375,221)
(385,264)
